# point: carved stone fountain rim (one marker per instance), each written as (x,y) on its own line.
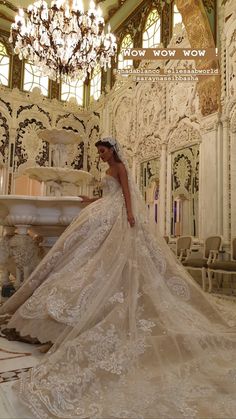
(60,136)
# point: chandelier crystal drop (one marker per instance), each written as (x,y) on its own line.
(63,41)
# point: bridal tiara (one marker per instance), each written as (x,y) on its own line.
(109,140)
(113,143)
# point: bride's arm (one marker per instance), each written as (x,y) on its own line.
(87,199)
(122,173)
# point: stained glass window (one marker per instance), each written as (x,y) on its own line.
(73,89)
(95,83)
(4,65)
(177,17)
(152,30)
(33,78)
(127,42)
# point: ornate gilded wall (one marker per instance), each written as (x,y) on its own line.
(23,115)
(161,121)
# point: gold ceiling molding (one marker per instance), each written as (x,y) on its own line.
(5,16)
(9,5)
(200,37)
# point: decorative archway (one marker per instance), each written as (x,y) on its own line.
(200,37)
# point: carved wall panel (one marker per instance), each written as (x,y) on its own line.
(185,191)
(148,147)
(4,135)
(150,109)
(23,115)
(92,158)
(182,135)
(182,101)
(75,151)
(28,146)
(123,119)
(231,60)
(150,179)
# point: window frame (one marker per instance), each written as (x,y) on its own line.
(173,15)
(146,29)
(74,96)
(9,64)
(119,53)
(23,80)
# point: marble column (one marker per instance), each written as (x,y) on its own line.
(232,187)
(9,184)
(226,174)
(221,151)
(162,191)
(169,208)
(210,195)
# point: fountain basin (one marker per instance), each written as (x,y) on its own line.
(61,181)
(18,210)
(60,136)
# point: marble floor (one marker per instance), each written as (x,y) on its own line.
(15,359)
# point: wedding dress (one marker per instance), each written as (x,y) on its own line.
(56,291)
(138,339)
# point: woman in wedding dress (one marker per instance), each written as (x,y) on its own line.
(52,297)
(138,338)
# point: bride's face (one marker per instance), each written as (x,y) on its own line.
(105,153)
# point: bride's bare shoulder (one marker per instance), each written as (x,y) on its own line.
(121,166)
(121,170)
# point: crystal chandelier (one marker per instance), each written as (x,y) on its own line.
(63,40)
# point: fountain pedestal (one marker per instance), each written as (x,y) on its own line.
(37,222)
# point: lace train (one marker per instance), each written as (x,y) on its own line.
(140,340)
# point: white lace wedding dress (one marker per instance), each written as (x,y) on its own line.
(138,338)
(57,290)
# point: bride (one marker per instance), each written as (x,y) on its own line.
(56,291)
(134,335)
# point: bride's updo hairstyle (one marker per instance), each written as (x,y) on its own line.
(109,143)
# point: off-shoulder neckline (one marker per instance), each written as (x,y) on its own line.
(113,177)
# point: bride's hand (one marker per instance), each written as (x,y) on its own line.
(85,198)
(131,220)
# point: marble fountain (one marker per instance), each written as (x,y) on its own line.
(32,224)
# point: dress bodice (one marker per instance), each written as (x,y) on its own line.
(110,185)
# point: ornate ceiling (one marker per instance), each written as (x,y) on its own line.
(118,10)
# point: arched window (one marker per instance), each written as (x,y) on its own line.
(33,78)
(4,65)
(177,17)
(73,89)
(152,30)
(95,83)
(127,42)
